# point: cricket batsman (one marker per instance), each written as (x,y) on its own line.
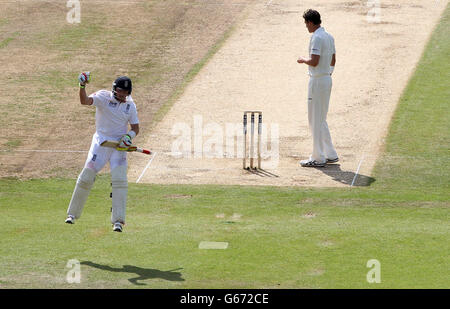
(114,111)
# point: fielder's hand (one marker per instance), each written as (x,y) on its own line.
(125,142)
(301,60)
(84,78)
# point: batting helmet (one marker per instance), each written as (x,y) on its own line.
(122,82)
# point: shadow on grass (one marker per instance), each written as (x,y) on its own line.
(346,177)
(143,273)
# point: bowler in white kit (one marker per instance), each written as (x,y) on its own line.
(114,111)
(321,62)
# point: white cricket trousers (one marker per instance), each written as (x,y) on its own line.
(97,158)
(319,91)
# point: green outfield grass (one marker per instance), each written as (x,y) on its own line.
(278,237)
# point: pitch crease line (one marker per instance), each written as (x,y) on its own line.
(357,171)
(146,167)
(49,151)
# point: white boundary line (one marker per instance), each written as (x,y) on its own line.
(146,167)
(50,151)
(357,171)
(269,2)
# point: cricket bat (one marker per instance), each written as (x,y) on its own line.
(114,144)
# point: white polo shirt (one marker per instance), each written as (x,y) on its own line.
(322,44)
(111,116)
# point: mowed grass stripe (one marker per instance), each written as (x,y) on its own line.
(417,151)
(282,238)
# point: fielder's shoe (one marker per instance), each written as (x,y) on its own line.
(117,227)
(332,160)
(70,219)
(311,163)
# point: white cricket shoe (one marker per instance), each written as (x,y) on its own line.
(117,227)
(311,163)
(70,219)
(332,160)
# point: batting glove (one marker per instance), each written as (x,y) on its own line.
(125,141)
(84,78)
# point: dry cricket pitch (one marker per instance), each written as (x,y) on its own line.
(256,69)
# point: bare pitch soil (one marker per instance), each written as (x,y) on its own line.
(158,42)
(257,70)
(155,42)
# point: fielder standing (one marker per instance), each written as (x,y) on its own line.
(114,111)
(321,61)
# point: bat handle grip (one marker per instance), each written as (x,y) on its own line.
(144,151)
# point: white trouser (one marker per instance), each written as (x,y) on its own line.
(119,185)
(97,158)
(319,91)
(81,192)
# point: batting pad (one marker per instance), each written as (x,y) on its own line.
(81,192)
(119,184)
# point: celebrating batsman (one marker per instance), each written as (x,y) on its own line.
(321,61)
(114,110)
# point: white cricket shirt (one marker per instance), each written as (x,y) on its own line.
(322,44)
(111,116)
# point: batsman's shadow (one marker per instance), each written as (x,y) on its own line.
(142,273)
(346,177)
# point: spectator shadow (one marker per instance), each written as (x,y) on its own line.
(142,273)
(346,177)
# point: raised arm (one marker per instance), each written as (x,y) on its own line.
(84,99)
(84,78)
